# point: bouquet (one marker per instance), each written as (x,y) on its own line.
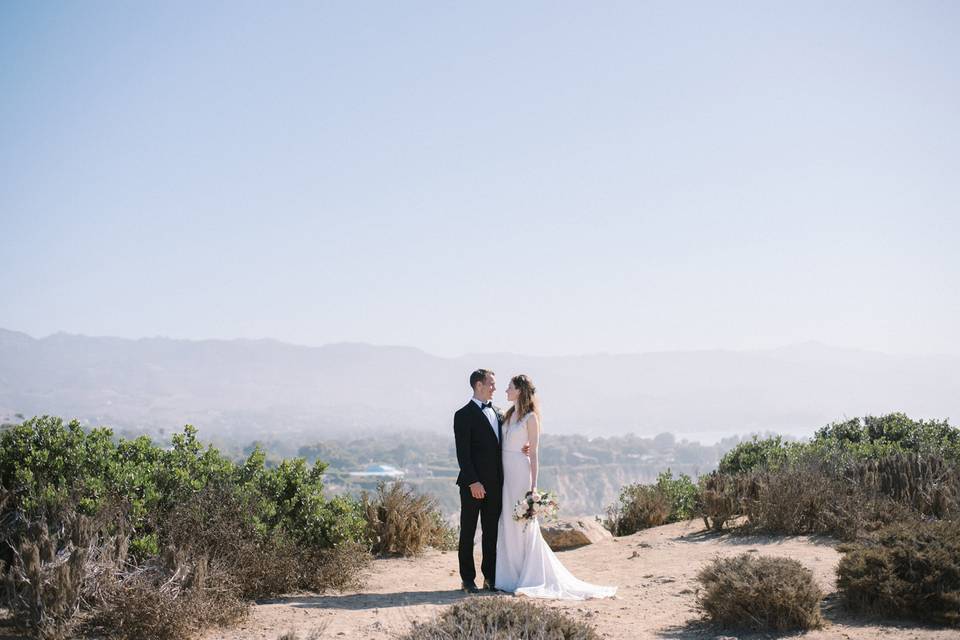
(536,505)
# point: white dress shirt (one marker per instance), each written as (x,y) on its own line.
(491,417)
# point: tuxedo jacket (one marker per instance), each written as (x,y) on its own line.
(478,448)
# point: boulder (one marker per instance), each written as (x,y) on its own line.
(568,533)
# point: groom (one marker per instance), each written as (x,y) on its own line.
(477,429)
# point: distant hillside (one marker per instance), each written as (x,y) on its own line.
(244,389)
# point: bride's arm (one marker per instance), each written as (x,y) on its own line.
(533,433)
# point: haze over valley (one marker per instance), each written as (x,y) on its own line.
(242,390)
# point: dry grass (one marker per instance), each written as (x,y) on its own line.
(910,571)
(174,600)
(760,594)
(927,484)
(313,634)
(403,522)
(501,618)
(817,496)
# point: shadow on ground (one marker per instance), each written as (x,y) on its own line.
(363,601)
(738,537)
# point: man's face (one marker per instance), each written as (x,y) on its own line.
(486,388)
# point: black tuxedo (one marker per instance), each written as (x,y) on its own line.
(478,454)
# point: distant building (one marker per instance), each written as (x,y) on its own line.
(379,471)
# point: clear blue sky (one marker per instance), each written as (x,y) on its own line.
(535,177)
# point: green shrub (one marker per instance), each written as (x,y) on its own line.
(760,593)
(682,494)
(754,454)
(181,534)
(875,437)
(909,570)
(643,506)
(46,463)
(145,547)
(501,618)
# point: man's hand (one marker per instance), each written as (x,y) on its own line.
(477,491)
(526,449)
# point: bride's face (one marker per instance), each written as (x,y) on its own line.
(512,393)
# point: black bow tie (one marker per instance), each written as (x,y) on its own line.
(486,405)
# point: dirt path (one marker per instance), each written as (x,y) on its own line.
(653,569)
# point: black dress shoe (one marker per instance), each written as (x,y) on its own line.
(489,587)
(469,587)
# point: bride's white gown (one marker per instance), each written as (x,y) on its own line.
(525,563)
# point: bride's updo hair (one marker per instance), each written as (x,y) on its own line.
(527,400)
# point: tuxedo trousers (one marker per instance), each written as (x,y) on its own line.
(487,510)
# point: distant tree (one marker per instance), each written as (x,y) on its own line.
(664,441)
(754,453)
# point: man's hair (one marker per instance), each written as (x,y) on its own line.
(480,375)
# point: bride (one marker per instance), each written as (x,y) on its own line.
(525,564)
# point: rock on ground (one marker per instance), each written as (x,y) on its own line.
(572,533)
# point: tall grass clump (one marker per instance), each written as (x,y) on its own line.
(403,522)
(760,594)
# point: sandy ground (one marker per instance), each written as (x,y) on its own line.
(654,570)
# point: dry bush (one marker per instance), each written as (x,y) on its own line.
(927,484)
(800,499)
(173,597)
(45,579)
(909,570)
(342,567)
(718,500)
(760,593)
(61,564)
(219,524)
(824,492)
(640,507)
(816,496)
(404,522)
(500,618)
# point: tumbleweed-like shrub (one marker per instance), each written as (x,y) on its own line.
(760,593)
(907,570)
(403,522)
(501,618)
(174,599)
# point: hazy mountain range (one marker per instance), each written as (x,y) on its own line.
(244,389)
